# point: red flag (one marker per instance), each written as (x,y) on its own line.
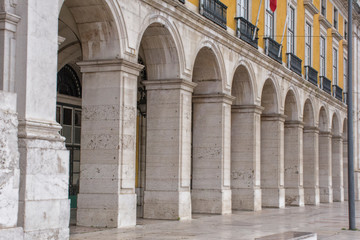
(273,5)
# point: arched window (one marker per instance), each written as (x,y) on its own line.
(68,82)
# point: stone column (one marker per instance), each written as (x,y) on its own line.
(44,207)
(311,165)
(211,191)
(272,160)
(337,169)
(325,168)
(293,163)
(108,139)
(245,157)
(9,154)
(168,149)
(345,169)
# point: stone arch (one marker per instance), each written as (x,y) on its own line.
(209,49)
(168,61)
(291,108)
(323,120)
(269,97)
(335,125)
(308,115)
(243,84)
(94,27)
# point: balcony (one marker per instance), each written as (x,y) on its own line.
(215,11)
(325,84)
(245,31)
(294,63)
(311,75)
(182,1)
(273,49)
(337,92)
(345,99)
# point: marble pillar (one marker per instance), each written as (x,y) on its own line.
(168,149)
(293,163)
(272,160)
(245,157)
(325,168)
(108,144)
(311,165)
(211,191)
(337,168)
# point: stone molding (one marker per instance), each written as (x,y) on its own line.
(311,129)
(110,66)
(247,109)
(335,33)
(213,98)
(337,137)
(325,134)
(273,117)
(324,22)
(170,84)
(8,21)
(31,129)
(308,4)
(294,124)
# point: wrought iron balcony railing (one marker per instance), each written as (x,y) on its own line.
(294,63)
(182,1)
(337,92)
(273,49)
(246,30)
(311,75)
(325,84)
(215,11)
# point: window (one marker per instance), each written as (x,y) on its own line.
(323,7)
(335,70)
(345,29)
(322,56)
(345,74)
(243,8)
(269,21)
(291,31)
(335,18)
(307,44)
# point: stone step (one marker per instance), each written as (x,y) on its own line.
(290,236)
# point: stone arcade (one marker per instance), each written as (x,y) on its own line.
(226,127)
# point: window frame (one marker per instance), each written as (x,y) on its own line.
(308,44)
(345,29)
(335,66)
(323,7)
(291,30)
(271,14)
(336,18)
(345,77)
(239,8)
(322,56)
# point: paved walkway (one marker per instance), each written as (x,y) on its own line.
(327,220)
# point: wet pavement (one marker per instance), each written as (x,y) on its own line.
(327,220)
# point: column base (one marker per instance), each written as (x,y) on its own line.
(294,197)
(312,196)
(211,201)
(58,234)
(338,194)
(106,210)
(273,197)
(246,199)
(11,233)
(326,195)
(167,205)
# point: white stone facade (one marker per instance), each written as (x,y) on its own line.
(227,127)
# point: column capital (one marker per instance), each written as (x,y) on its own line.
(247,109)
(294,124)
(8,21)
(111,65)
(337,137)
(311,129)
(213,98)
(169,84)
(325,134)
(31,129)
(273,117)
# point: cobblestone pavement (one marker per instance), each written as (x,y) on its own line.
(327,220)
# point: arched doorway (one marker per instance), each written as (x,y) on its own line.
(245,144)
(337,160)
(272,149)
(293,153)
(68,115)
